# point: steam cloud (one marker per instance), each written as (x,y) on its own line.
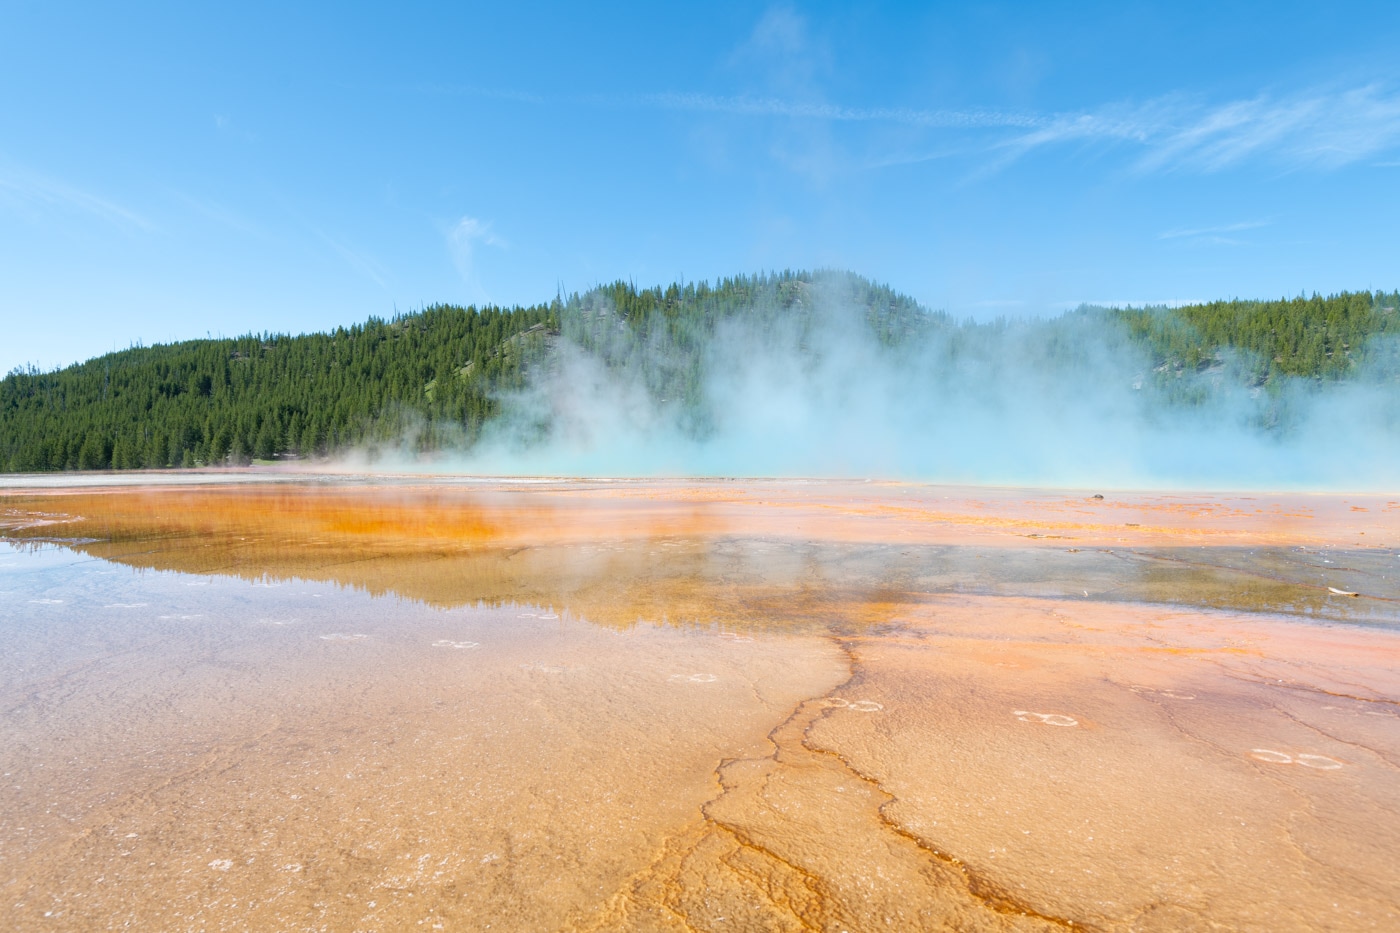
(815,392)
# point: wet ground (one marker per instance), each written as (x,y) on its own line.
(341,705)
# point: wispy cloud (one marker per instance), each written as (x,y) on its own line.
(1319,129)
(220,213)
(1207,231)
(34,192)
(745,105)
(464,239)
(360,261)
(816,110)
(1316,129)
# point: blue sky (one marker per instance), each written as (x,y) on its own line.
(167,170)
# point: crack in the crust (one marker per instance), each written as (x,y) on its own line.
(770,890)
(1327,735)
(1286,787)
(717,825)
(1304,801)
(990,894)
(1171,718)
(681,918)
(813,882)
(981,890)
(661,903)
(1336,677)
(1305,688)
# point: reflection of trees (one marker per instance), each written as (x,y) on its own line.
(640,557)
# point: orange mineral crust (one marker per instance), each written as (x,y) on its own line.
(509,514)
(766,705)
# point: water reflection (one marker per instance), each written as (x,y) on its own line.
(683,559)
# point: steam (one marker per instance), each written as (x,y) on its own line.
(813,390)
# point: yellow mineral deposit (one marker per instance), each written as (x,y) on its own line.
(697,706)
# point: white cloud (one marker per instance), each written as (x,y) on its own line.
(463,241)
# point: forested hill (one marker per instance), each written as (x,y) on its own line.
(259,397)
(436,378)
(1322,338)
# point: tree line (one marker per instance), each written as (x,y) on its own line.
(1324,338)
(435,373)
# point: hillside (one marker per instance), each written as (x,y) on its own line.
(216,401)
(437,378)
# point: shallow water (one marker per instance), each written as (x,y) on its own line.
(697,706)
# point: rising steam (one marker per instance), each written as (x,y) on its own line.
(816,387)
